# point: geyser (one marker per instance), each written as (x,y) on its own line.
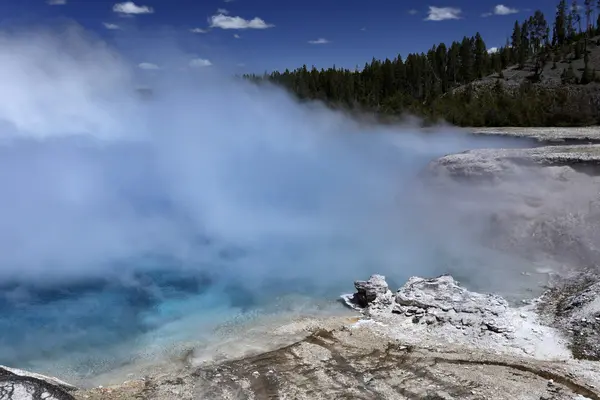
(121,214)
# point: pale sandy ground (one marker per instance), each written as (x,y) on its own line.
(367,359)
(384,353)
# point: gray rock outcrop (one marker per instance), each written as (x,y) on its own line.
(499,163)
(582,135)
(443,300)
(439,311)
(373,292)
(574,307)
(432,301)
(16,384)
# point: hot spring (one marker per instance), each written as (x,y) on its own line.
(129,224)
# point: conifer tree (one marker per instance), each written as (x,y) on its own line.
(589,9)
(516,42)
(466,60)
(560,23)
(440,82)
(575,16)
(480,55)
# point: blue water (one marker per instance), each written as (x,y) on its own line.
(129,226)
(84,322)
(109,250)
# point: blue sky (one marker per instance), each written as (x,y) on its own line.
(267,35)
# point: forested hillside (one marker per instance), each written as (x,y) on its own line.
(545,75)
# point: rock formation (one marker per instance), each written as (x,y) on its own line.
(498,163)
(373,293)
(431,301)
(438,311)
(573,306)
(16,384)
(581,135)
(442,300)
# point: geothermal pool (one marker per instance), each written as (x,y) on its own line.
(90,331)
(118,254)
(82,330)
(131,228)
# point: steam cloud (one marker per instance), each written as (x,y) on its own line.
(211,182)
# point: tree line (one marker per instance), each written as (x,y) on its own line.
(442,82)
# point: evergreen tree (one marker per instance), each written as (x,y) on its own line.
(516,43)
(589,9)
(598,19)
(480,55)
(539,31)
(560,23)
(441,82)
(570,27)
(453,70)
(538,28)
(575,16)
(505,55)
(466,60)
(399,74)
(441,66)
(496,62)
(524,46)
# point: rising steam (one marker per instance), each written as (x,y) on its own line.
(212,182)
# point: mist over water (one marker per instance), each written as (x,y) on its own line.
(121,215)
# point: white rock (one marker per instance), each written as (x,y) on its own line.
(48,379)
(373,293)
(439,311)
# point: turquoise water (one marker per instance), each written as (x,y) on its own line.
(113,250)
(128,226)
(86,323)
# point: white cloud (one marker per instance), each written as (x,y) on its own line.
(57,2)
(487,14)
(148,66)
(319,41)
(363,29)
(237,36)
(413,12)
(111,26)
(130,7)
(198,30)
(222,11)
(501,9)
(443,13)
(227,22)
(199,63)
(492,50)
